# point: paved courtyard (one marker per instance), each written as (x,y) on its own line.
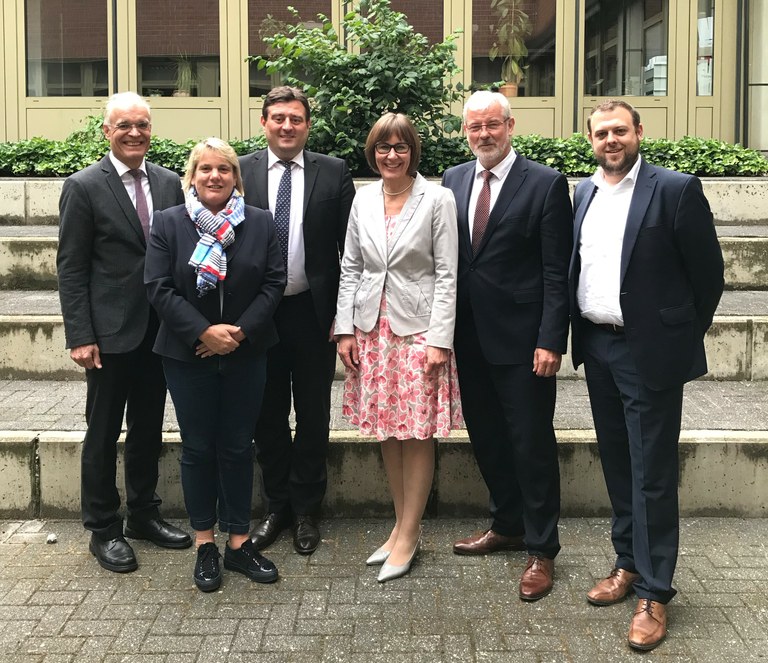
(57,605)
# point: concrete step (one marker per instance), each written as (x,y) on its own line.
(28,257)
(32,338)
(734,200)
(723,451)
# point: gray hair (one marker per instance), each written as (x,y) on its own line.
(123,100)
(483,99)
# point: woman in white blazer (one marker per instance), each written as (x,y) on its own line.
(395,316)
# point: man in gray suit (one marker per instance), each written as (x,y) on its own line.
(105,214)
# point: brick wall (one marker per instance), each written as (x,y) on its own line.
(177,27)
(62,29)
(257,13)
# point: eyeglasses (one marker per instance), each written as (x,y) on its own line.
(385,148)
(490,127)
(127,126)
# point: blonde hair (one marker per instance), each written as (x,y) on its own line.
(218,146)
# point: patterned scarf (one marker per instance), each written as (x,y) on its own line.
(216,233)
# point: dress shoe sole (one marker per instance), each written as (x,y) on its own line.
(536,597)
(265,577)
(646,647)
(208,585)
(176,545)
(305,551)
(116,568)
(602,603)
(513,547)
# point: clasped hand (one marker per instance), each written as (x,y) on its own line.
(219,340)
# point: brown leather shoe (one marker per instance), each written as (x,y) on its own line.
(487,542)
(649,625)
(614,588)
(536,581)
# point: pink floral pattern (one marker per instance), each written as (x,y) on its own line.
(390,396)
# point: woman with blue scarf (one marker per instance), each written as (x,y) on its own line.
(215,275)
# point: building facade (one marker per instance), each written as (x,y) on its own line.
(692,67)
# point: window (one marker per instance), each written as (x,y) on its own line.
(705,47)
(513,42)
(66,48)
(263,23)
(177,44)
(626,48)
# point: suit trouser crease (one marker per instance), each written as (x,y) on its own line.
(638,431)
(130,383)
(508,412)
(217,401)
(299,368)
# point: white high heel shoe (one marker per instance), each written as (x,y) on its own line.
(379,557)
(390,571)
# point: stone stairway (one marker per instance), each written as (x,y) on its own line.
(724,446)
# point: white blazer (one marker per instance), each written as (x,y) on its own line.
(417,272)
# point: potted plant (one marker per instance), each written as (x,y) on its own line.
(512,26)
(185,78)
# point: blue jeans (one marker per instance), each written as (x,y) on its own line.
(217,403)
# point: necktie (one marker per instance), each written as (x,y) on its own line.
(283,209)
(482,212)
(141,201)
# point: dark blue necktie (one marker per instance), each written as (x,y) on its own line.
(283,209)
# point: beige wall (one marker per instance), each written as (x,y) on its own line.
(234,114)
(757,75)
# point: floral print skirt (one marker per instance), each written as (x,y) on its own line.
(391,397)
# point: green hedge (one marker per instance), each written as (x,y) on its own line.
(41,157)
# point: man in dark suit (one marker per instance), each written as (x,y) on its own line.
(105,215)
(646,276)
(310,196)
(511,329)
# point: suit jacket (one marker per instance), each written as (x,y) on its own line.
(417,268)
(671,275)
(328,194)
(100,258)
(252,289)
(515,290)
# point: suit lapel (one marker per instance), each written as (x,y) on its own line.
(408,212)
(462,194)
(256,186)
(641,198)
(310,176)
(582,201)
(121,196)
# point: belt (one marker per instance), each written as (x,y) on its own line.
(607,326)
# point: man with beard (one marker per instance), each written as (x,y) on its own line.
(646,276)
(515,225)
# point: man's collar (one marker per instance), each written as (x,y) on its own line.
(272,158)
(598,179)
(501,169)
(122,169)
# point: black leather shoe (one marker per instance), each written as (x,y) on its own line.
(248,561)
(113,554)
(306,535)
(207,570)
(159,532)
(265,533)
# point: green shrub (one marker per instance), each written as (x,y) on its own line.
(381,65)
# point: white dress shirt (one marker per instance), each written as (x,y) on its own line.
(297,277)
(600,244)
(129,182)
(500,172)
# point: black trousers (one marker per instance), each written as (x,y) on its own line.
(130,383)
(299,368)
(638,431)
(508,412)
